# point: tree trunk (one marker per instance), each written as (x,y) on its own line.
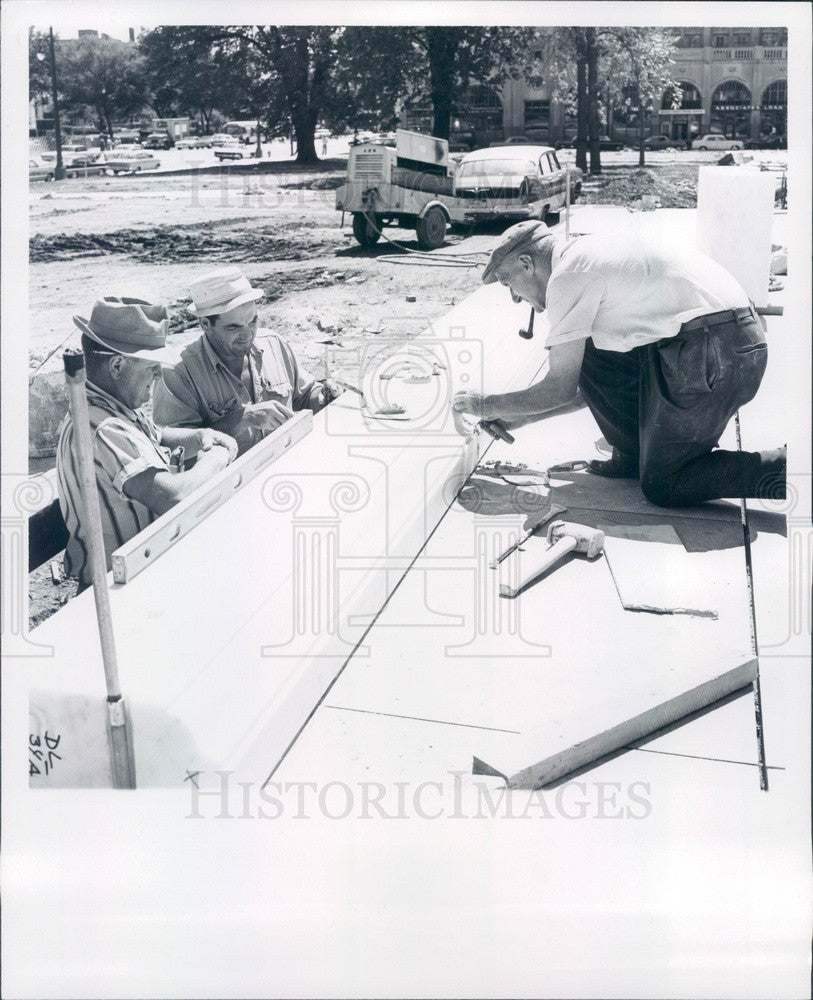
(298,86)
(441,115)
(304,127)
(105,123)
(592,103)
(442,51)
(581,115)
(641,136)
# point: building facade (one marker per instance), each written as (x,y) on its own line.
(733,81)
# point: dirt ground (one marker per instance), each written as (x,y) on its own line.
(148,236)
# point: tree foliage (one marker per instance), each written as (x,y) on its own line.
(378,67)
(298,63)
(39,69)
(293,77)
(198,70)
(609,63)
(649,57)
(103,74)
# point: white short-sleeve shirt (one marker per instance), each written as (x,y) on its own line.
(625,292)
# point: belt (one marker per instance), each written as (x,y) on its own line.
(719,318)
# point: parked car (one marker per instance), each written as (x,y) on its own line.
(768,142)
(69,151)
(233,150)
(663,142)
(715,141)
(522,140)
(85,165)
(134,162)
(158,140)
(514,182)
(605,144)
(40,171)
(194,142)
(220,139)
(608,145)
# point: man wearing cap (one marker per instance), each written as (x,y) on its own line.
(124,343)
(234,378)
(663,345)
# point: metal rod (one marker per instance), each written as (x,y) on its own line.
(567,204)
(59,169)
(121,745)
(749,576)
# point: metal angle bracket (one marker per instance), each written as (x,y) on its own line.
(142,550)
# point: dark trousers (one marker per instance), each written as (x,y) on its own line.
(664,406)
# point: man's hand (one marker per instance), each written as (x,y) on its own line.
(472,403)
(219,454)
(255,422)
(329,392)
(209,438)
(266,417)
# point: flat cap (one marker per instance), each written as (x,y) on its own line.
(514,240)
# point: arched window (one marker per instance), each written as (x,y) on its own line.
(773,112)
(731,93)
(775,94)
(690,100)
(731,109)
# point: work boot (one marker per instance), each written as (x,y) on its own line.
(618,467)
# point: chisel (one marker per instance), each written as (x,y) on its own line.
(553,512)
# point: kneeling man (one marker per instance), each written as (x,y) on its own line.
(234,377)
(124,343)
(663,345)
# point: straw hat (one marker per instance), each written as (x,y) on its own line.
(220,291)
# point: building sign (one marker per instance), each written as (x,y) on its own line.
(746,107)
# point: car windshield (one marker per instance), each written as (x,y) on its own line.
(484,168)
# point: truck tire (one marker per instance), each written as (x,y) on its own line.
(431,229)
(366,234)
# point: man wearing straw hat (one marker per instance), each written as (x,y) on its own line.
(124,343)
(234,377)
